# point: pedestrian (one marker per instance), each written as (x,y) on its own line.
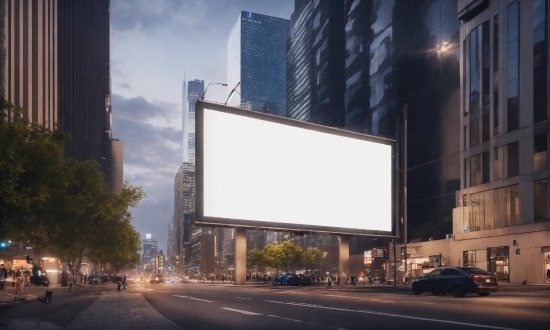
(119,282)
(70,282)
(124,282)
(3,276)
(212,279)
(24,286)
(329,282)
(223,279)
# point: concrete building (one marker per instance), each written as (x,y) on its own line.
(192,91)
(501,220)
(149,251)
(256,62)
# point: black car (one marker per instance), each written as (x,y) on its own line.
(42,280)
(456,280)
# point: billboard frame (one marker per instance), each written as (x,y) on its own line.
(201,220)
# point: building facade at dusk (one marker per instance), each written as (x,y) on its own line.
(149,248)
(192,91)
(256,62)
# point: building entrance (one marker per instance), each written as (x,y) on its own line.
(499,262)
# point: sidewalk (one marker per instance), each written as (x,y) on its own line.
(112,310)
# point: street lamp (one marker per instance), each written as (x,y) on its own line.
(324,256)
(203,94)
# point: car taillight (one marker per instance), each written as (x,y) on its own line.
(475,277)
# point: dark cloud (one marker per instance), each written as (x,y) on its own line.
(152,155)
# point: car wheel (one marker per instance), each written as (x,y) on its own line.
(484,294)
(416,289)
(458,291)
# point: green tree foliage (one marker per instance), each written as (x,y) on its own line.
(255,257)
(31,157)
(61,205)
(312,256)
(283,255)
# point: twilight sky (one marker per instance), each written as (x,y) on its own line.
(152,43)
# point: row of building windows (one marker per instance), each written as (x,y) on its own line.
(477,47)
(477,167)
(499,208)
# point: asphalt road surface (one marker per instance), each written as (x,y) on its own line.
(211,306)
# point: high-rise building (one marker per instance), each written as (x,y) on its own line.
(195,89)
(501,220)
(57,67)
(29,58)
(364,61)
(149,250)
(256,62)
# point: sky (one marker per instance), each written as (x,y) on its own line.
(154,43)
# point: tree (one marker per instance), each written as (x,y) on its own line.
(283,255)
(255,257)
(31,157)
(312,256)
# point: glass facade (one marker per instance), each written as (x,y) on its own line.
(366,61)
(195,89)
(256,51)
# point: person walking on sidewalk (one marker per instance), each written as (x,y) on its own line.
(3,276)
(119,282)
(70,281)
(124,282)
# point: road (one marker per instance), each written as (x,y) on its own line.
(211,306)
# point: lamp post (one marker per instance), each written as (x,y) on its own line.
(324,256)
(203,94)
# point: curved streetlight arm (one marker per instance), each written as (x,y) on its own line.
(232,93)
(203,94)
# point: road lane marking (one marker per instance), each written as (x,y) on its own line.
(164,291)
(150,289)
(240,311)
(187,297)
(284,318)
(243,298)
(391,315)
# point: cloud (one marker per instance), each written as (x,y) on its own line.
(152,156)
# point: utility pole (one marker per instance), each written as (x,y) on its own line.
(405,108)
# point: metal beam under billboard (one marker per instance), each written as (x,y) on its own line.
(259,171)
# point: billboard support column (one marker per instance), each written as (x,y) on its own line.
(240,256)
(343,261)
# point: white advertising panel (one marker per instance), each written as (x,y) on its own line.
(257,170)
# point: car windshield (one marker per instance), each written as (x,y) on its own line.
(476,271)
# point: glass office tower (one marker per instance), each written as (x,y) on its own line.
(256,61)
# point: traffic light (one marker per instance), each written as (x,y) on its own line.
(4,245)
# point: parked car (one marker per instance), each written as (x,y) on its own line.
(279,279)
(184,279)
(157,278)
(42,280)
(456,280)
(94,280)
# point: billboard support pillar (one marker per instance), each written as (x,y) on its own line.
(240,256)
(343,260)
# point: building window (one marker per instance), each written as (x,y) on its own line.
(464,132)
(495,75)
(540,37)
(495,165)
(474,71)
(466,162)
(513,66)
(500,208)
(512,159)
(541,200)
(469,258)
(512,205)
(475,170)
(485,167)
(486,66)
(540,152)
(475,131)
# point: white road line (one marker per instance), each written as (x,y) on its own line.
(391,315)
(164,291)
(243,298)
(240,311)
(284,318)
(192,298)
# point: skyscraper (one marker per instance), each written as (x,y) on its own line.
(364,61)
(149,250)
(256,61)
(57,67)
(195,89)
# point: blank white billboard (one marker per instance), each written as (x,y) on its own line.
(262,171)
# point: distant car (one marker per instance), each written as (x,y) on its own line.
(157,278)
(184,279)
(456,280)
(291,279)
(94,280)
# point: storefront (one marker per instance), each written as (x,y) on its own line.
(498,262)
(546,263)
